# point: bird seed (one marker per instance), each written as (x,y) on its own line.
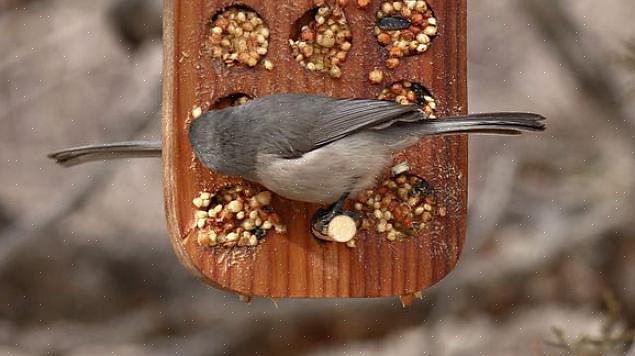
(324,43)
(234,216)
(405,28)
(409,93)
(400,207)
(239,37)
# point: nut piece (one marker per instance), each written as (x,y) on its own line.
(342,229)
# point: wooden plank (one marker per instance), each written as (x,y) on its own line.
(295,264)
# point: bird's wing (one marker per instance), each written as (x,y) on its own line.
(299,123)
(343,117)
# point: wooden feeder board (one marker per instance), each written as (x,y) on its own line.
(295,264)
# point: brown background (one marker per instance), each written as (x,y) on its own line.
(87,267)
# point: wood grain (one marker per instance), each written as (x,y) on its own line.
(295,264)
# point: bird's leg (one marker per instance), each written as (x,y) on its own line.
(321,221)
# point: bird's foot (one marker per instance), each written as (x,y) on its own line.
(335,223)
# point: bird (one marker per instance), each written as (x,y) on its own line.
(310,148)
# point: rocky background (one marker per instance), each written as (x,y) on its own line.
(549,267)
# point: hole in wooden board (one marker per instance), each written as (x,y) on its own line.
(401,207)
(411,93)
(230,100)
(405,28)
(238,36)
(321,39)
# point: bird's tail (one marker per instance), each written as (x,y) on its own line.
(78,155)
(512,123)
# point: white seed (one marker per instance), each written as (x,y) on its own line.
(253,240)
(253,215)
(248,225)
(351,244)
(400,168)
(267,225)
(422,48)
(200,214)
(264,198)
(253,203)
(198,202)
(432,21)
(200,223)
(197,112)
(378,214)
(392,236)
(387,215)
(206,196)
(268,64)
(235,206)
(217,30)
(203,239)
(232,236)
(258,222)
(359,206)
(430,30)
(240,215)
(376,76)
(427,207)
(423,38)
(419,210)
(381,227)
(218,208)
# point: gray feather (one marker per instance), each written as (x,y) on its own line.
(134,149)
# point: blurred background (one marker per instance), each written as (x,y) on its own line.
(86,267)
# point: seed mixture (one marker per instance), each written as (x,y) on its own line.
(409,93)
(405,28)
(324,43)
(400,207)
(239,37)
(234,216)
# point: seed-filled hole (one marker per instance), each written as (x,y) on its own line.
(409,93)
(234,216)
(238,36)
(231,100)
(400,207)
(321,39)
(405,28)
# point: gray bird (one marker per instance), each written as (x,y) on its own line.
(310,148)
